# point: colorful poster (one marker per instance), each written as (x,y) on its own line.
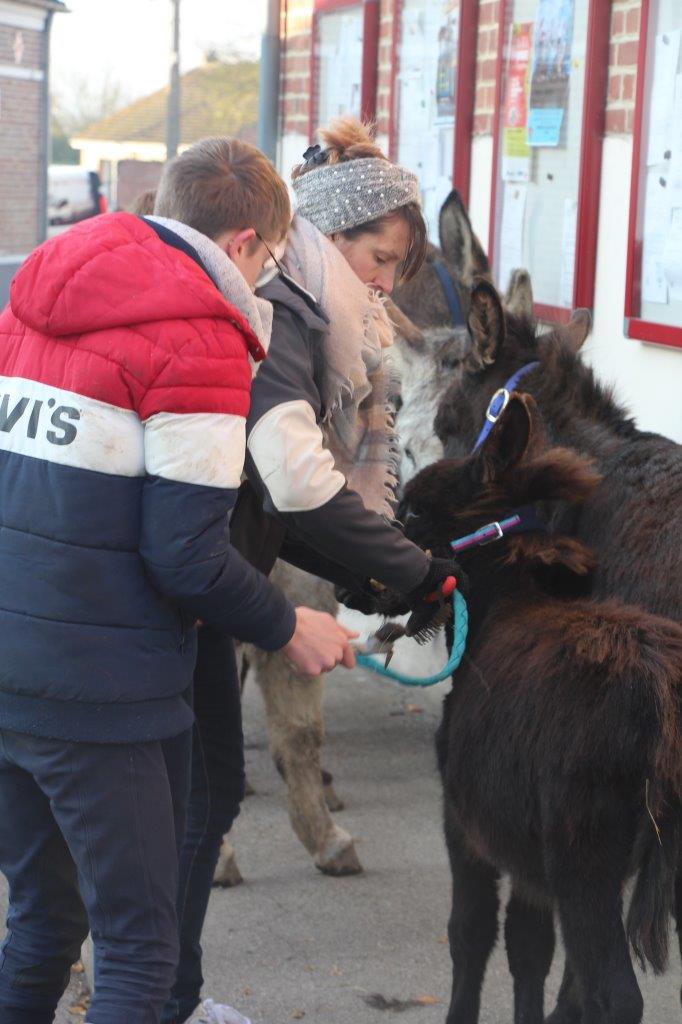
(551,71)
(515,149)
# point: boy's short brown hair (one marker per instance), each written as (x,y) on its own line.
(219,184)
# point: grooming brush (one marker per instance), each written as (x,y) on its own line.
(442,616)
(382,641)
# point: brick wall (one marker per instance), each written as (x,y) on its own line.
(133,178)
(21,157)
(486,63)
(295,75)
(620,103)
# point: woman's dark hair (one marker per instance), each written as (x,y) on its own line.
(346,138)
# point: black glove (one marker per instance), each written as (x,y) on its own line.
(423,612)
(366,598)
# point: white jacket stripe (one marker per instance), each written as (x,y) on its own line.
(287,447)
(196,448)
(56,425)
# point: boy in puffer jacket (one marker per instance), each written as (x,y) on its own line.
(126,359)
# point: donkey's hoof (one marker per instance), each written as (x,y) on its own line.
(333,802)
(339,860)
(227,873)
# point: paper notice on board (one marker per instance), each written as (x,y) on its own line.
(568,252)
(515,148)
(675,170)
(511,231)
(671,258)
(666,56)
(656,225)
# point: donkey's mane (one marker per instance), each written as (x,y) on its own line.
(566,377)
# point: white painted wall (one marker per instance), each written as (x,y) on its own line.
(647,378)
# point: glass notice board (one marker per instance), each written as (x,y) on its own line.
(539,147)
(425,97)
(338,62)
(654,285)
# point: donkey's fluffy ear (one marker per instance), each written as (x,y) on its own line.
(510,438)
(518,299)
(460,245)
(486,325)
(578,328)
(404,326)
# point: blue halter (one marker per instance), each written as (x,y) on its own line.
(450,293)
(498,403)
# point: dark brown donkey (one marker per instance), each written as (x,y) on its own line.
(560,748)
(633,521)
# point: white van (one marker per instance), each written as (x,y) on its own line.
(73,193)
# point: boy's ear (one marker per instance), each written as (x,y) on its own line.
(234,241)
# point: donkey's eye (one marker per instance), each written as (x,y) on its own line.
(450,363)
(410,456)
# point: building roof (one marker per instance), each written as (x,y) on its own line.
(215,99)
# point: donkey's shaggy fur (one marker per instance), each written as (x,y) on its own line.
(560,748)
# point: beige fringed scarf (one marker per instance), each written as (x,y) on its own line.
(356,382)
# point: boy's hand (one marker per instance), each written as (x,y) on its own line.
(319,643)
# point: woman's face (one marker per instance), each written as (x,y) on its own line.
(375,257)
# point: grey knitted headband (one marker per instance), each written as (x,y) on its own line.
(336,197)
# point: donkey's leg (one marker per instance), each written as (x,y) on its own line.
(472,929)
(529,936)
(293,707)
(591,920)
(227,873)
(568,1009)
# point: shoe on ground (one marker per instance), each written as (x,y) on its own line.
(216,1013)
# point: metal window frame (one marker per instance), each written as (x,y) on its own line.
(634,326)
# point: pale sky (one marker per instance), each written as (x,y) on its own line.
(129,40)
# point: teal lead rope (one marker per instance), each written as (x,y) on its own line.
(461,621)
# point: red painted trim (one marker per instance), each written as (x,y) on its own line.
(592,135)
(501,36)
(370,60)
(392,100)
(635,327)
(661,334)
(323,6)
(633,271)
(465,96)
(551,314)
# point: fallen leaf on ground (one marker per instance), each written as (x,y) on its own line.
(336,971)
(413,709)
(298,1015)
(77,968)
(248,991)
(309,968)
(443,939)
(379,1002)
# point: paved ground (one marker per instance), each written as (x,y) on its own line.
(291,944)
